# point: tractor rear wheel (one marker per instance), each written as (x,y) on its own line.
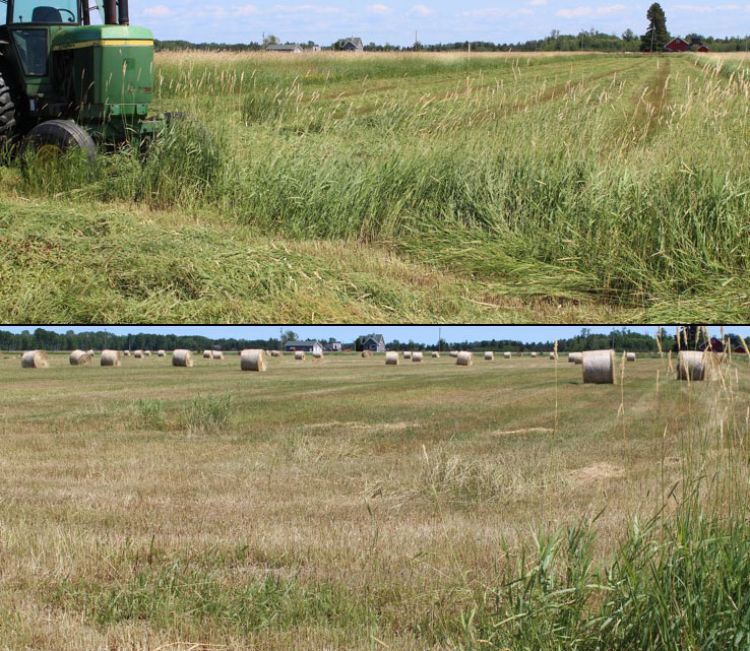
(50,140)
(7,112)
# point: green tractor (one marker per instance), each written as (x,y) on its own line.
(66,83)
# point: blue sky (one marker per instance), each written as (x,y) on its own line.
(420,334)
(324,21)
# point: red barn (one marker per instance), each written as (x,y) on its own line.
(677,45)
(702,49)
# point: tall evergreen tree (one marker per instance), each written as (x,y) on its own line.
(657,36)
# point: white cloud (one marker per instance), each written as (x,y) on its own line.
(157,11)
(379,9)
(304,9)
(495,12)
(538,3)
(422,10)
(587,11)
(245,10)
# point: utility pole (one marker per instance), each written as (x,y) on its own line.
(440,337)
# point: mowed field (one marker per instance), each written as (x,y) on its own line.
(416,188)
(348,505)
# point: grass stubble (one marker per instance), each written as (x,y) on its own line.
(346,505)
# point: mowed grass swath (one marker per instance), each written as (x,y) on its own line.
(347,504)
(522,187)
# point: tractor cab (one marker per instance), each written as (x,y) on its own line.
(58,66)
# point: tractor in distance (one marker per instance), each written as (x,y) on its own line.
(66,83)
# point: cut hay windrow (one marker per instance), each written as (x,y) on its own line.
(392,359)
(79,358)
(182,357)
(34,359)
(599,367)
(465,358)
(111,358)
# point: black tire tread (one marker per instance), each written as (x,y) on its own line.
(8,122)
(66,134)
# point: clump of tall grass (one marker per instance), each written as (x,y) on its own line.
(148,414)
(206,415)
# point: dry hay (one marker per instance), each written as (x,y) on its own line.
(299,355)
(698,366)
(525,430)
(207,354)
(147,353)
(435,355)
(253,360)
(465,358)
(217,354)
(91,352)
(79,358)
(111,358)
(138,354)
(535,354)
(453,353)
(317,355)
(274,353)
(182,357)
(553,357)
(365,354)
(630,357)
(34,359)
(598,472)
(599,367)
(417,357)
(126,353)
(575,358)
(489,356)
(507,355)
(392,359)
(161,353)
(407,354)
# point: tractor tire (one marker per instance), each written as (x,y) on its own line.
(7,113)
(59,137)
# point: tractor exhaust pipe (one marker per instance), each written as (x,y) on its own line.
(110,12)
(122,12)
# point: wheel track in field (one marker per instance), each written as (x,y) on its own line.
(650,104)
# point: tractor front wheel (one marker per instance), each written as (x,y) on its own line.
(7,112)
(49,141)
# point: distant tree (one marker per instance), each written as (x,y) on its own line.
(628,35)
(270,40)
(657,36)
(289,335)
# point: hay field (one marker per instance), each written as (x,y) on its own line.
(389,188)
(337,505)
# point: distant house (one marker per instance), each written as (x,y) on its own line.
(353,44)
(291,48)
(700,48)
(677,45)
(305,346)
(333,347)
(374,343)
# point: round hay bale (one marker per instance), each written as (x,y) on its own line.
(147,353)
(534,354)
(553,357)
(465,359)
(161,353)
(507,355)
(207,354)
(698,366)
(110,358)
(575,358)
(317,355)
(365,354)
(599,367)
(91,352)
(79,358)
(138,354)
(392,359)
(630,357)
(182,357)
(299,356)
(407,354)
(453,353)
(126,353)
(274,353)
(417,357)
(217,354)
(435,355)
(34,359)
(253,360)
(489,356)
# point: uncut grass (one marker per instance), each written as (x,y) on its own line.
(336,504)
(593,170)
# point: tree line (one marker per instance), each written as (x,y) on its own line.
(51,341)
